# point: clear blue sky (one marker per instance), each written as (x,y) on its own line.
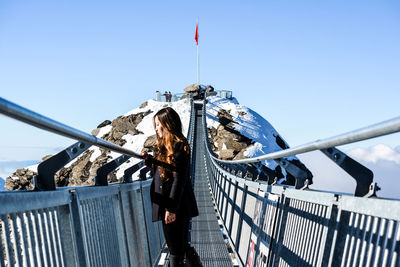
(313,69)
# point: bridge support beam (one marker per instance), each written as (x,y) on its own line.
(360,173)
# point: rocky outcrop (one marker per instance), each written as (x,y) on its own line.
(143,105)
(22,179)
(83,171)
(97,130)
(104,123)
(77,173)
(124,125)
(209,89)
(193,89)
(197,91)
(150,143)
(229,143)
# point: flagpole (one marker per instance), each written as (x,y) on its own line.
(198,60)
(198,66)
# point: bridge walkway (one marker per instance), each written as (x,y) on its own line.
(206,235)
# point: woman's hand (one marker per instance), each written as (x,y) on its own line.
(147,159)
(169,217)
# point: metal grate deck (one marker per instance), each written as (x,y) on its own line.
(206,234)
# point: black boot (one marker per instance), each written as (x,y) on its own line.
(176,261)
(192,258)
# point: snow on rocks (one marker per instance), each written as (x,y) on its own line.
(143,130)
(236,132)
(130,130)
(225,115)
(136,142)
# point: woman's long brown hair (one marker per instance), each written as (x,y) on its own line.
(172,134)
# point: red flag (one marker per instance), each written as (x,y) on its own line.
(196,36)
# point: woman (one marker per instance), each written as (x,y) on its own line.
(172,197)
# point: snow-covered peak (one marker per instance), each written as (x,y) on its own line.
(246,121)
(253,136)
(265,139)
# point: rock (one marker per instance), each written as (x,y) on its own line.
(78,172)
(98,162)
(22,179)
(83,171)
(227,154)
(62,177)
(225,118)
(150,143)
(143,105)
(209,89)
(95,132)
(104,123)
(124,125)
(225,136)
(192,88)
(240,155)
(231,139)
(212,133)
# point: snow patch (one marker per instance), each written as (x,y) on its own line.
(96,153)
(104,130)
(253,149)
(33,167)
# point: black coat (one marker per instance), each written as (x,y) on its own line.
(175,193)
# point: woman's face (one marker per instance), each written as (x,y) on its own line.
(159,129)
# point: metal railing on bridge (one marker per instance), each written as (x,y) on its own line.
(79,226)
(267,225)
(281,225)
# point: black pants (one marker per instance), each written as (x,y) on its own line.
(176,235)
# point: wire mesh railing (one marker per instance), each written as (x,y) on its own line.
(83,226)
(279,225)
(79,226)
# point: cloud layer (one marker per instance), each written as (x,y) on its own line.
(7,168)
(382,160)
(376,153)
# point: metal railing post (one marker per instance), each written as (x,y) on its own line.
(78,235)
(240,223)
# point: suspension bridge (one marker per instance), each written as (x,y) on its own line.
(244,220)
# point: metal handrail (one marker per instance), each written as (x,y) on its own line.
(20,113)
(368,132)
